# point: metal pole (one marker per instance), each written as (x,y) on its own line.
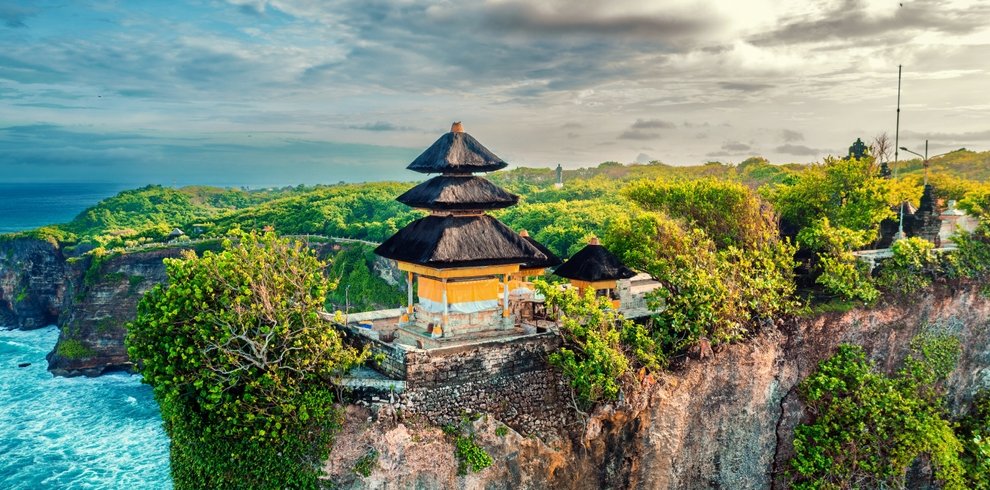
(897,128)
(926,162)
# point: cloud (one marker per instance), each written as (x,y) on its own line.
(850,22)
(572,125)
(643,158)
(735,146)
(798,150)
(790,136)
(942,138)
(745,86)
(635,134)
(652,124)
(379,126)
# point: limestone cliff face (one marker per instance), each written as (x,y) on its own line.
(32,283)
(722,422)
(94,316)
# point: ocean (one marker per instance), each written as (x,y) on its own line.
(70,433)
(74,433)
(28,206)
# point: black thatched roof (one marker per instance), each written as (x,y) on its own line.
(458,192)
(456,153)
(594,263)
(551,261)
(458,241)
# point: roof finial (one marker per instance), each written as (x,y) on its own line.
(594,241)
(457,127)
(524,233)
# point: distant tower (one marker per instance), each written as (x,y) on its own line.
(560,177)
(857,150)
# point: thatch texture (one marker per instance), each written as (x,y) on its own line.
(594,263)
(458,192)
(551,261)
(458,241)
(456,153)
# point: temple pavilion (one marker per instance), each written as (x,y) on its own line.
(595,268)
(460,259)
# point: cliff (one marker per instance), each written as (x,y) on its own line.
(723,422)
(103,298)
(32,282)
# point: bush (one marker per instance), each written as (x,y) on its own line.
(867,427)
(73,349)
(242,365)
(912,267)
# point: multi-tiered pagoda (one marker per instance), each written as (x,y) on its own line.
(461,258)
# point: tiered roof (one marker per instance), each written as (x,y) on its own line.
(551,261)
(457,233)
(594,263)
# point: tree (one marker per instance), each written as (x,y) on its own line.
(242,364)
(881,147)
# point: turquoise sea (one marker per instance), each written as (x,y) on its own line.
(74,433)
(70,433)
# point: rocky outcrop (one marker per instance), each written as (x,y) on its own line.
(723,422)
(32,282)
(104,297)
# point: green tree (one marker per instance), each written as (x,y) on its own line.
(242,365)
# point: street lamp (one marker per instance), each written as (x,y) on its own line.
(925,157)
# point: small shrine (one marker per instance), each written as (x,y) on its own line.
(461,260)
(594,267)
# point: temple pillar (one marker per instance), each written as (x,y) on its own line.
(443,321)
(409,294)
(505,296)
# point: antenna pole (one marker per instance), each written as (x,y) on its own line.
(897,128)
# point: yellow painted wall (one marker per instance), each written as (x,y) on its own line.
(459,291)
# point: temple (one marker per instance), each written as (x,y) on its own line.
(462,261)
(595,268)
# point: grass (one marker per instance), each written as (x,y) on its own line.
(74,349)
(366,463)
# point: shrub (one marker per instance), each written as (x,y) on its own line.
(242,365)
(73,349)
(366,463)
(868,427)
(470,456)
(912,267)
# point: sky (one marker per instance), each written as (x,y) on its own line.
(284,92)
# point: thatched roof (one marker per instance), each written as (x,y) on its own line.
(458,192)
(594,263)
(456,153)
(458,241)
(551,261)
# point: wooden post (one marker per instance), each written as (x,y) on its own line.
(505,296)
(409,294)
(443,322)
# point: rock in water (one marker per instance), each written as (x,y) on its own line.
(24,364)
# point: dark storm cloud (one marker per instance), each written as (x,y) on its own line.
(798,150)
(652,124)
(635,134)
(745,86)
(790,136)
(849,21)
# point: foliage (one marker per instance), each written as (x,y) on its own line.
(366,463)
(974,432)
(850,193)
(839,271)
(241,364)
(971,259)
(470,456)
(729,213)
(706,292)
(592,357)
(73,349)
(353,266)
(564,226)
(501,431)
(911,268)
(868,427)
